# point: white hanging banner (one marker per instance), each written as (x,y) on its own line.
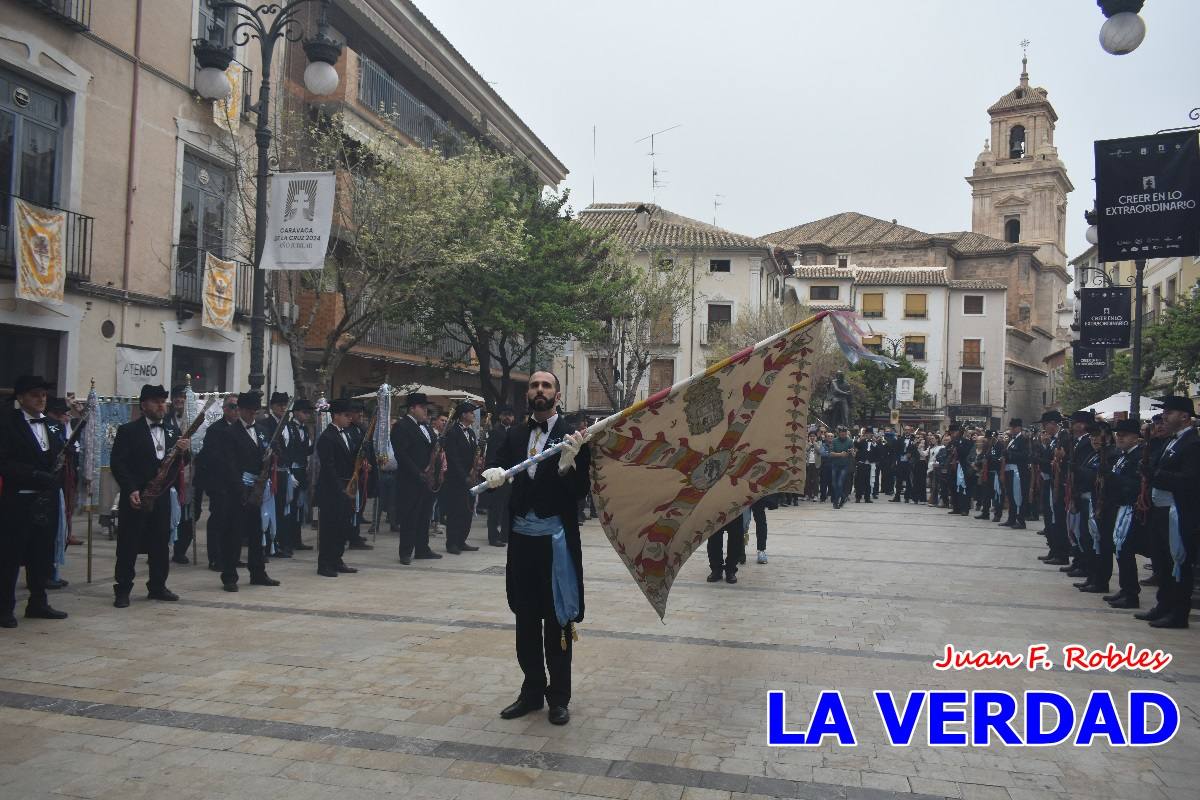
(137,366)
(299,216)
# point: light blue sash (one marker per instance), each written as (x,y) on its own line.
(997,490)
(1121,528)
(266,512)
(176,514)
(1017,493)
(962,480)
(1165,499)
(1073,527)
(60,540)
(563,577)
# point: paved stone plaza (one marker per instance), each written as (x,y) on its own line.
(389,682)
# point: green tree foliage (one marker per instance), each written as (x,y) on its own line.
(1075,393)
(559,280)
(878,383)
(1174,342)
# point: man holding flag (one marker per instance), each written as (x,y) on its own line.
(545,559)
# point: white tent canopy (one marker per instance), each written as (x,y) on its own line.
(1109,407)
(432,392)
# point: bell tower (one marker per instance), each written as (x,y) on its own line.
(1019,185)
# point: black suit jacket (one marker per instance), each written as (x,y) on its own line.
(1017,452)
(460,456)
(21,456)
(412,451)
(1177,470)
(547,494)
(234,454)
(133,460)
(1123,482)
(337,466)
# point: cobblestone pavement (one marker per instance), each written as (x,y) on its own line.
(389,682)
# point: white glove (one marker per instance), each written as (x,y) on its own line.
(494,477)
(566,456)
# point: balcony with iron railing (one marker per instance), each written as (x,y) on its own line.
(76,244)
(409,338)
(190,263)
(711,332)
(967,398)
(386,97)
(970,359)
(76,14)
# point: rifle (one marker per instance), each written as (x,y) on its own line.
(61,459)
(1143,501)
(352,484)
(252,495)
(432,475)
(158,483)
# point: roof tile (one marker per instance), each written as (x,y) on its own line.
(666,229)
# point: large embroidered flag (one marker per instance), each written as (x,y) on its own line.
(220,280)
(41,272)
(671,470)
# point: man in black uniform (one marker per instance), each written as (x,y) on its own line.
(459,444)
(359,444)
(277,408)
(208,471)
(29,503)
(144,523)
(236,464)
(1095,513)
(902,469)
(1079,452)
(1053,476)
(988,465)
(497,516)
(296,456)
(964,476)
(866,452)
(1016,478)
(337,508)
(412,444)
(1122,486)
(1175,513)
(545,559)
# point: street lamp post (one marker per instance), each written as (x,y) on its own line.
(268,23)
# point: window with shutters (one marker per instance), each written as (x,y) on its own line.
(973,304)
(916,306)
(972,388)
(872,305)
(662,374)
(972,353)
(914,347)
(873,343)
(597,398)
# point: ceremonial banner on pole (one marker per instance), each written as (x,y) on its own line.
(220,281)
(299,216)
(670,471)
(41,271)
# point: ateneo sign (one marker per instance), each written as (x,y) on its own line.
(1104,317)
(1148,196)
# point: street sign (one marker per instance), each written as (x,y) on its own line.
(1090,363)
(905,389)
(1105,317)
(1148,196)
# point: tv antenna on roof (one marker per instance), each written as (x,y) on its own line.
(717,198)
(654,182)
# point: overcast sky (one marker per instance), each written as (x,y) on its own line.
(798,109)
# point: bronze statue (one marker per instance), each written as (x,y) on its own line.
(839,400)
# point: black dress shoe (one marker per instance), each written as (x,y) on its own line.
(467,548)
(1151,614)
(164,594)
(303,546)
(1082,584)
(715,576)
(428,554)
(263,580)
(44,612)
(981,516)
(180,559)
(731,577)
(560,716)
(454,551)
(229,587)
(1108,598)
(1094,588)
(1076,572)
(520,708)
(1046,558)
(56,584)
(121,601)
(283,554)
(1125,602)
(1169,621)
(346,569)
(361,546)
(496,544)
(8,621)
(327,572)
(1066,567)
(406,560)
(1060,561)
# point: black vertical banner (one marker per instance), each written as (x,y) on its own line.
(1148,196)
(1105,317)
(1091,363)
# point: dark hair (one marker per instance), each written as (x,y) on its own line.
(557,386)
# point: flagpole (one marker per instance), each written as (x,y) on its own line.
(613,419)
